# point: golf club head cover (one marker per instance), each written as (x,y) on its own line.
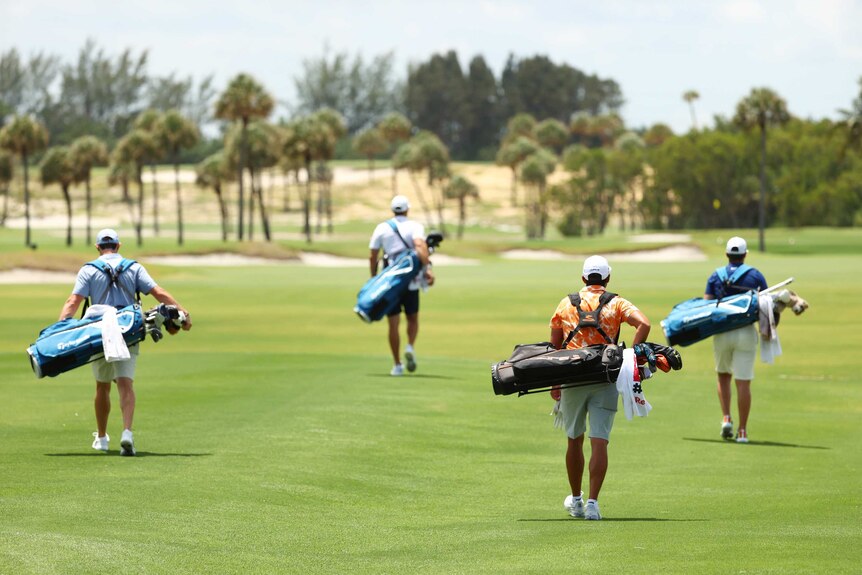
(643,350)
(674,359)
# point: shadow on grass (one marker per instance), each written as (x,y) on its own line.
(634,519)
(117,453)
(756,443)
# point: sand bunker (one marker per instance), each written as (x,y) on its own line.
(660,238)
(24,276)
(309,259)
(668,254)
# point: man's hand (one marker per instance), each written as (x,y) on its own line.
(429,277)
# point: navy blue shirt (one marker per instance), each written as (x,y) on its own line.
(752,279)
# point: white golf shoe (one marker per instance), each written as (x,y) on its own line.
(573,506)
(741,436)
(397,370)
(127,443)
(727,429)
(100,443)
(410,356)
(591,511)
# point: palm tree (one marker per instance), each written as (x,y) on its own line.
(332,129)
(520,125)
(243,100)
(762,108)
(511,154)
(263,149)
(535,171)
(213,172)
(148,121)
(606,128)
(57,168)
(291,162)
(395,129)
(369,143)
(177,133)
(297,147)
(24,136)
(690,96)
(460,188)
(86,152)
(135,148)
(7,171)
(432,155)
(551,134)
(581,127)
(121,174)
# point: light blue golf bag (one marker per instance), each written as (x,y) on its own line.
(696,319)
(381,294)
(70,343)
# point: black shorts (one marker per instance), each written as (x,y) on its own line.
(409,303)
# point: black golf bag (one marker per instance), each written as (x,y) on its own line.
(537,367)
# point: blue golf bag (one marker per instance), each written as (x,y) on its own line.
(381,294)
(71,343)
(696,319)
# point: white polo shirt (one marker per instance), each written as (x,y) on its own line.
(384,237)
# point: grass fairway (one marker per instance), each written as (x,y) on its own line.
(272,440)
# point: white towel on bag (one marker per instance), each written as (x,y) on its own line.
(634,402)
(113,344)
(770,346)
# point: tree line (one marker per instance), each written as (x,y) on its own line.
(760,167)
(574,163)
(101,94)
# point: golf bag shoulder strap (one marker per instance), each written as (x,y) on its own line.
(113,278)
(394,225)
(730,281)
(589,318)
(735,277)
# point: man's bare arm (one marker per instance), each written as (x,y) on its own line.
(373,260)
(70,308)
(642,326)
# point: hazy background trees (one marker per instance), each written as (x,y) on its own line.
(556,128)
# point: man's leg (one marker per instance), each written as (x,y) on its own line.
(394,337)
(598,465)
(743,401)
(126,390)
(102,404)
(575,463)
(724,393)
(412,327)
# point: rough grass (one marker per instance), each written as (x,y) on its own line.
(272,440)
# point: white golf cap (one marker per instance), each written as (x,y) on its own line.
(400,204)
(736,246)
(107,236)
(597,265)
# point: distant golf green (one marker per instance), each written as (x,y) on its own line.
(271,438)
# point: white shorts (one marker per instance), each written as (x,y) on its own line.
(735,351)
(108,372)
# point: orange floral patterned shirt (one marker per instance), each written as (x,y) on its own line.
(614,314)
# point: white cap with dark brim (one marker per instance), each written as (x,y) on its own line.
(736,246)
(597,265)
(107,236)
